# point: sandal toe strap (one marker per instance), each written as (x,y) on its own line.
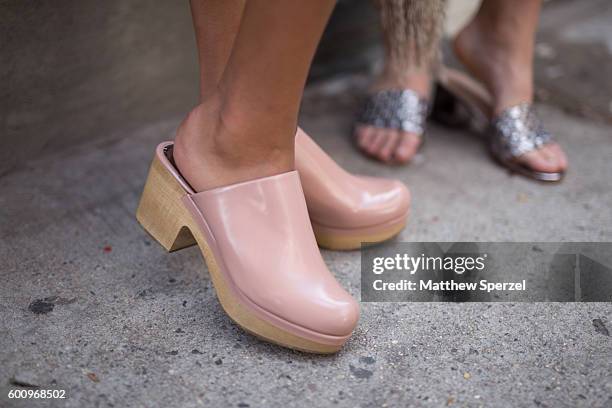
(401,109)
(516,131)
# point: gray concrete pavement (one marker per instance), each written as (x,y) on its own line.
(122,323)
(573,57)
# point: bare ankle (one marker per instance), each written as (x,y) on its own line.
(417,79)
(213,150)
(505,70)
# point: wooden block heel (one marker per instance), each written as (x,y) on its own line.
(161,212)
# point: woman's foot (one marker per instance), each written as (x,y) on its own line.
(393,145)
(504,64)
(215,147)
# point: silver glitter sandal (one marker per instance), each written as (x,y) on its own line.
(517,130)
(400,109)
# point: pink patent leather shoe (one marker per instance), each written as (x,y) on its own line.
(261,254)
(345,209)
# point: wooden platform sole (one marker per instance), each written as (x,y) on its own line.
(346,240)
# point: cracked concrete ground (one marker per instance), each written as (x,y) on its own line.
(121,323)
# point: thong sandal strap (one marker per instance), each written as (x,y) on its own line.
(516,131)
(401,109)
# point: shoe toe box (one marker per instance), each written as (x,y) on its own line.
(383,200)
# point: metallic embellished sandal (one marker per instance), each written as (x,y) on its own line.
(460,100)
(401,109)
(516,131)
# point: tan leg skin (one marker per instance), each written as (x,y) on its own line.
(244,128)
(216,24)
(497,47)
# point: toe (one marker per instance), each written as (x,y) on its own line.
(368,139)
(560,154)
(546,159)
(363,135)
(406,147)
(388,145)
(380,135)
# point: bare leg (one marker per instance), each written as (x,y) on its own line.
(216,24)
(245,128)
(497,47)
(411,30)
